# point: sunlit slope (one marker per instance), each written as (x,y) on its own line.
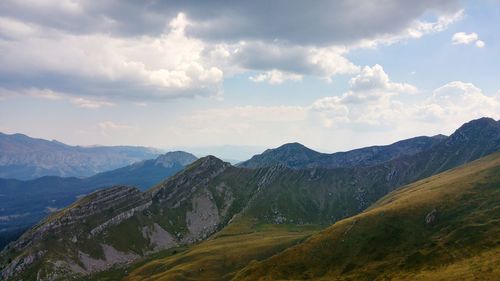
(446,227)
(222,256)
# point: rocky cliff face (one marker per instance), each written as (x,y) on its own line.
(27,202)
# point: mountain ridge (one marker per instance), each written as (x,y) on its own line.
(26,202)
(209,194)
(307,158)
(23,157)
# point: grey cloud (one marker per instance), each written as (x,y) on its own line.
(321,22)
(323,62)
(261,57)
(312,22)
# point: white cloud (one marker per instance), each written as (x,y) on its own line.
(90,103)
(467,38)
(368,101)
(87,102)
(375,79)
(44,93)
(275,77)
(11,28)
(169,65)
(480,44)
(108,128)
(417,29)
(324,62)
(349,125)
(463,100)
(464,38)
(449,106)
(31,92)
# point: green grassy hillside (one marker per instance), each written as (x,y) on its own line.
(446,227)
(220,257)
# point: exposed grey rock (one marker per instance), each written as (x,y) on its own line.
(119,218)
(203,219)
(159,238)
(112,257)
(431,217)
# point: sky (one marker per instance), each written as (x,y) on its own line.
(332,75)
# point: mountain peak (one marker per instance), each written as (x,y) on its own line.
(172,158)
(206,166)
(481,122)
(293,146)
(482,128)
(439,137)
(290,154)
(200,171)
(209,161)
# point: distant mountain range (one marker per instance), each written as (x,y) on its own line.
(24,203)
(210,195)
(23,157)
(295,155)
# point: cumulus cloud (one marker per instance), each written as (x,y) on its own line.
(369,99)
(375,79)
(464,38)
(480,44)
(369,103)
(301,60)
(168,49)
(467,38)
(359,124)
(461,100)
(150,67)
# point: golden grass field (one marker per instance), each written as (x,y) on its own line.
(224,254)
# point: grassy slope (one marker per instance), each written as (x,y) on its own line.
(391,240)
(222,256)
